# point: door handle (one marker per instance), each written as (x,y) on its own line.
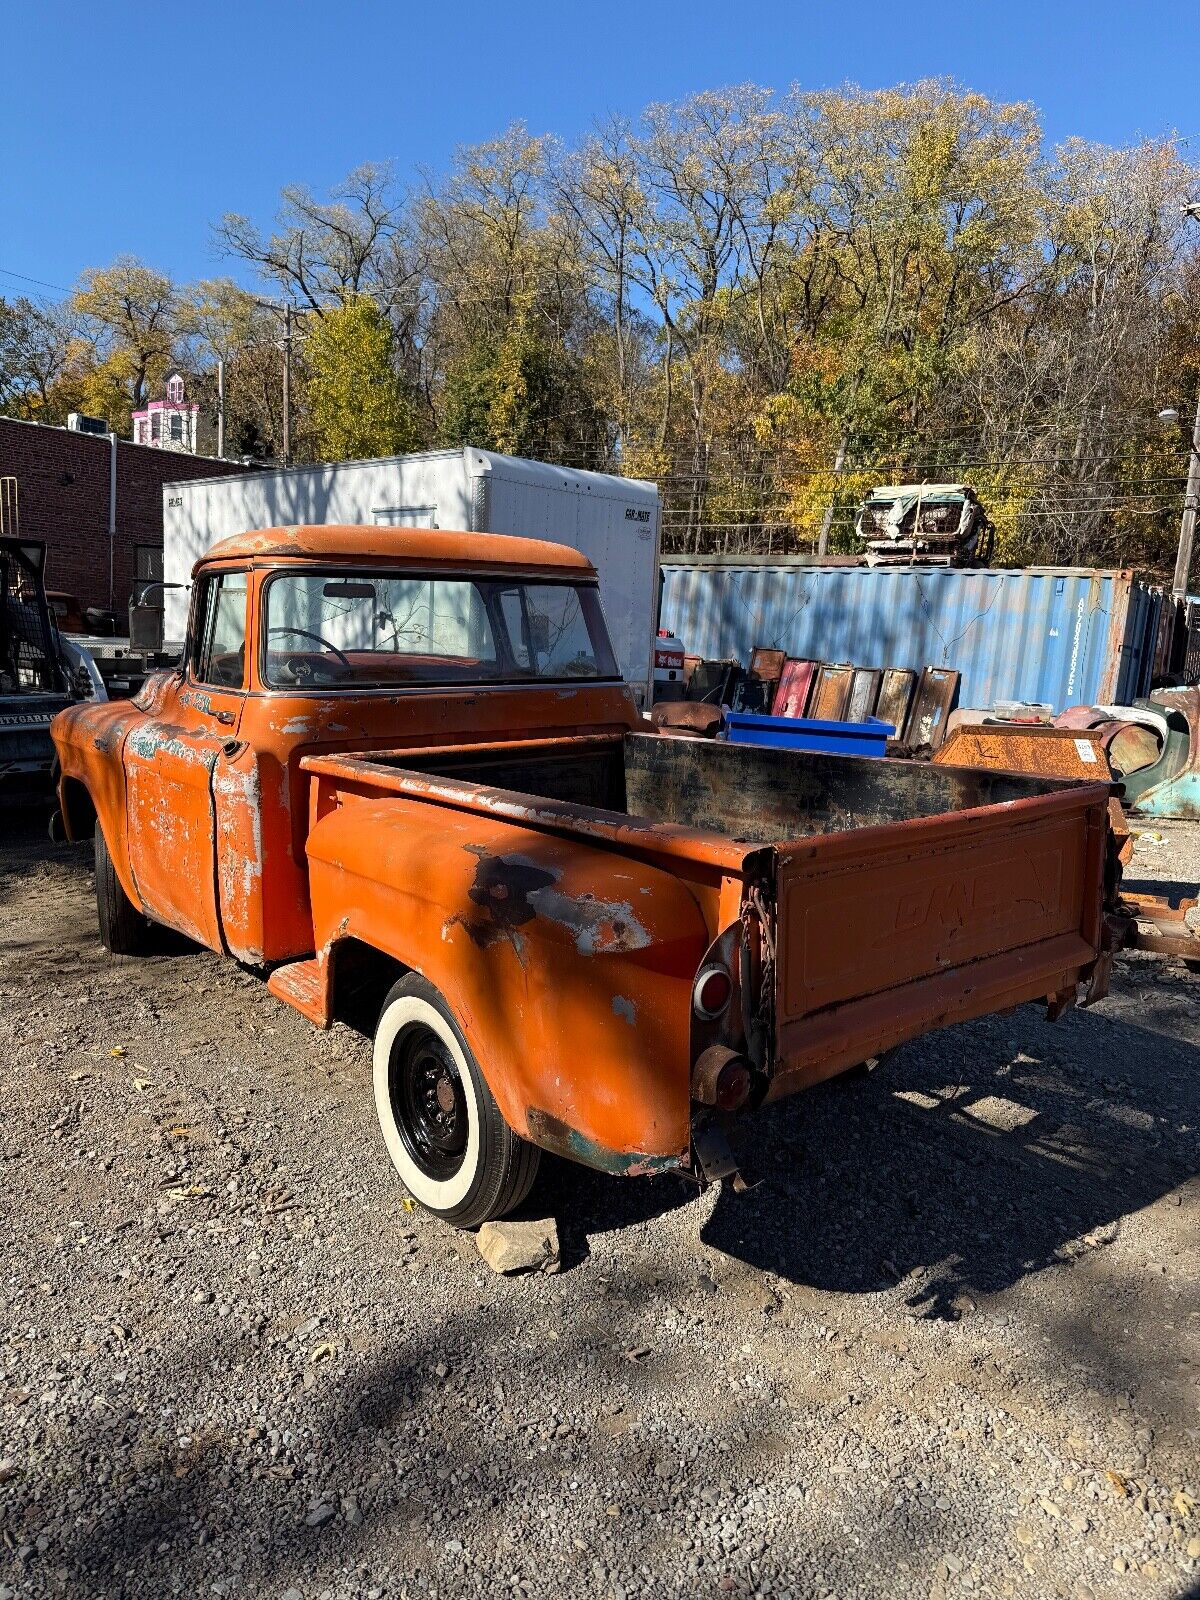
(226,717)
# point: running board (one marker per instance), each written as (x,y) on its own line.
(302,984)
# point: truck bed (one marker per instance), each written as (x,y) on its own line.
(898,896)
(738,794)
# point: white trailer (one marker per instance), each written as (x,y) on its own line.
(613,521)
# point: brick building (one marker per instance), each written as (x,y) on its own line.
(64,485)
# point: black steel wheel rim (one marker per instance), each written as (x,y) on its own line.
(428,1103)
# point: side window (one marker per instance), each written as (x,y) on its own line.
(558,632)
(220,654)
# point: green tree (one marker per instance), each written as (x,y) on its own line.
(356,402)
(522,394)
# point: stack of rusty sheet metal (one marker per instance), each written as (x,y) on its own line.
(916,705)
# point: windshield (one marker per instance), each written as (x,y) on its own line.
(373,630)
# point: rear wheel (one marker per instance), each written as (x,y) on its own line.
(443,1129)
(123,928)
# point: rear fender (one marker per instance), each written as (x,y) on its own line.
(569,967)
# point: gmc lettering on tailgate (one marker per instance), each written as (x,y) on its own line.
(862,931)
(960,901)
(1018,889)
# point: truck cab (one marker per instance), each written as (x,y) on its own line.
(319,639)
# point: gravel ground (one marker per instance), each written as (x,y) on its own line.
(950,1346)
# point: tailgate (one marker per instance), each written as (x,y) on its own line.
(885,933)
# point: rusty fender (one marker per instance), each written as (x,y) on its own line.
(89,739)
(568,966)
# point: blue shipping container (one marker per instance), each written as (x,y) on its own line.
(1062,635)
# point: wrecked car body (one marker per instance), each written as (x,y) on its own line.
(935,524)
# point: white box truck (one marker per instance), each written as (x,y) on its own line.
(613,521)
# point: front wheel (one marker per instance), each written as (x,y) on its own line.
(123,928)
(443,1129)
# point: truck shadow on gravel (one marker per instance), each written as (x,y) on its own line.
(23,825)
(421,1460)
(972,1159)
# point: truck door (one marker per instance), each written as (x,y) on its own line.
(170,761)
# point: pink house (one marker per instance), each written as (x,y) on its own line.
(169,424)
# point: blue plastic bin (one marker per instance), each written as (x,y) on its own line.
(867,738)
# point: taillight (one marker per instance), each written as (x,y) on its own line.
(721,1078)
(733,1085)
(712,993)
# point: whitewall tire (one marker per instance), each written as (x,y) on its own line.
(440,1122)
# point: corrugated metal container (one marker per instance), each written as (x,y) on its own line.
(1191,662)
(614,521)
(1063,635)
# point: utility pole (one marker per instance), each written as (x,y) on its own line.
(220,408)
(1191,503)
(1191,497)
(287,385)
(289,314)
(827,519)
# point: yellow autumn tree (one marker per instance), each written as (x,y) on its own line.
(131,317)
(357,404)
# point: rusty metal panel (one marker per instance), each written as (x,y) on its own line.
(863,694)
(908,913)
(766,668)
(795,686)
(1061,635)
(936,697)
(1160,926)
(895,696)
(686,717)
(767,664)
(963,915)
(1007,747)
(1131,747)
(831,694)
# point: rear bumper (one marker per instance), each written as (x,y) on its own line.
(26,748)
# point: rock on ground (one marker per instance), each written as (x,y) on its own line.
(513,1245)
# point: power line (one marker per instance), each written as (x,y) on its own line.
(7,272)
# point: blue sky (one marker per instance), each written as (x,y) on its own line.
(132,127)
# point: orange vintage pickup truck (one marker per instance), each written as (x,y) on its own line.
(402,764)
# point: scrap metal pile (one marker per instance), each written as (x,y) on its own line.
(1151,748)
(935,524)
(907,708)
